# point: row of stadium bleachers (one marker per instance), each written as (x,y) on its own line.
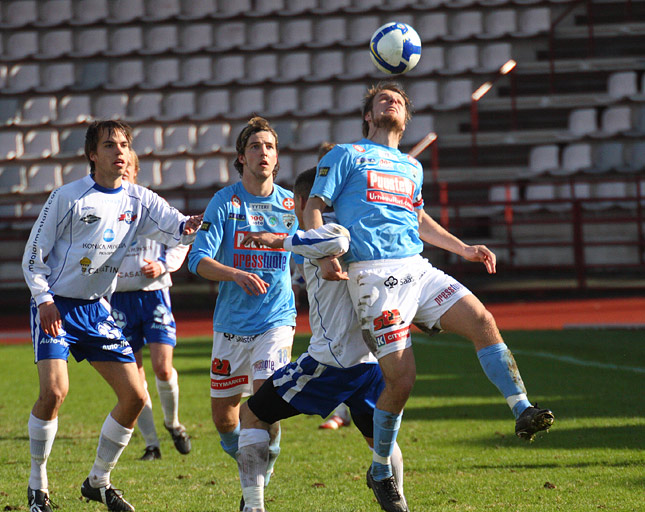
(52,13)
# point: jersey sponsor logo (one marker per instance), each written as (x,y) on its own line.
(389,183)
(262,261)
(393,336)
(253,246)
(229,383)
(366,160)
(393,199)
(289,220)
(272,221)
(205,226)
(54,341)
(235,201)
(391,282)
(128,217)
(385,154)
(88,270)
(447,293)
(85,264)
(289,203)
(323,171)
(235,216)
(162,315)
(221,367)
(108,235)
(385,164)
(259,207)
(412,160)
(90,218)
(256,219)
(387,319)
(358,148)
(120,318)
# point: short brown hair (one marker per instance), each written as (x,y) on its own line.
(304,183)
(324,148)
(256,124)
(368,101)
(94,131)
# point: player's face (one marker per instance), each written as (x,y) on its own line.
(260,156)
(130,174)
(111,156)
(388,109)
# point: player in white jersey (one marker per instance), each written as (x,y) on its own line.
(254,316)
(376,193)
(70,264)
(141,308)
(337,368)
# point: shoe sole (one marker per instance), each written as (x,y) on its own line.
(541,422)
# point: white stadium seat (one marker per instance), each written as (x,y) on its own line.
(149,173)
(159,39)
(162,71)
(179,138)
(177,172)
(54,12)
(543,159)
(159,11)
(328,64)
(622,84)
(312,132)
(194,37)
(260,67)
(583,121)
(294,33)
(125,74)
(227,69)
(40,143)
(575,157)
(57,76)
(282,100)
(230,35)
(22,77)
(75,171)
(196,9)
(317,99)
(71,141)
(212,137)
(247,101)
(125,40)
(464,24)
(212,103)
(111,106)
(38,110)
(124,11)
(212,171)
(265,34)
(55,43)
(432,26)
(177,105)
(10,144)
(90,11)
(144,106)
(18,13)
(146,139)
(43,178)
(74,108)
(20,45)
(12,179)
(90,41)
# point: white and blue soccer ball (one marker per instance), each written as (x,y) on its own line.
(395,48)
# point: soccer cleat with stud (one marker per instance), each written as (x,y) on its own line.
(38,501)
(108,495)
(533,420)
(180,438)
(151,453)
(334,423)
(387,493)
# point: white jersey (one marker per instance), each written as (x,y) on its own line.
(131,278)
(336,338)
(83,232)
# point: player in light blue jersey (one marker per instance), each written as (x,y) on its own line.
(376,193)
(70,264)
(255,313)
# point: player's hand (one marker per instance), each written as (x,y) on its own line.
(331,270)
(264,238)
(50,320)
(483,254)
(251,283)
(152,270)
(193,224)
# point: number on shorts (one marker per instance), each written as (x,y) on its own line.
(221,367)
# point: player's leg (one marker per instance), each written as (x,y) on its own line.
(226,417)
(469,318)
(145,421)
(161,355)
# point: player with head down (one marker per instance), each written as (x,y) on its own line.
(376,193)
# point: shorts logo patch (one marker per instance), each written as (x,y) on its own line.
(229,383)
(221,367)
(392,337)
(391,282)
(447,293)
(387,319)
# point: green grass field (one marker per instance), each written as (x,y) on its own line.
(457,436)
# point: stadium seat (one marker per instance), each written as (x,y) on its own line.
(18,13)
(57,76)
(499,23)
(125,74)
(196,9)
(500,196)
(312,132)
(248,101)
(282,101)
(147,139)
(159,39)
(179,138)
(349,98)
(212,137)
(423,93)
(296,7)
(575,157)
(38,110)
(176,172)
(634,159)
(543,159)
(316,99)
(493,56)
(9,110)
(20,45)
(74,171)
(125,11)
(461,58)
(287,169)
(149,173)
(229,35)
(159,11)
(615,120)
(144,106)
(535,194)
(11,144)
(40,143)
(432,26)
(111,106)
(622,84)
(327,65)
(177,105)
(92,74)
(231,9)
(294,33)
(361,28)
(463,25)
(432,61)
(87,12)
(212,103)
(125,40)
(72,142)
(161,72)
(263,34)
(22,78)
(194,70)
(55,43)
(358,66)
(194,37)
(533,21)
(329,31)
(267,8)
(212,171)
(582,121)
(12,178)
(455,93)
(347,130)
(227,69)
(43,178)
(90,41)
(418,127)
(607,157)
(260,67)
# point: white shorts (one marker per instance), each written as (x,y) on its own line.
(236,361)
(390,295)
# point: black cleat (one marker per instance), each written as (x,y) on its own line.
(151,453)
(387,493)
(38,501)
(533,420)
(108,495)
(180,438)
(242,504)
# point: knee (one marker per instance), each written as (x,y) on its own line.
(136,400)
(224,422)
(51,399)
(402,384)
(163,373)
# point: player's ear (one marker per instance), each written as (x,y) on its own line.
(368,116)
(241,159)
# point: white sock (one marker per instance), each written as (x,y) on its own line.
(41,439)
(146,423)
(112,441)
(397,467)
(169,396)
(252,461)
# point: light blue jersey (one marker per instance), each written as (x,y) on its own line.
(231,214)
(375,191)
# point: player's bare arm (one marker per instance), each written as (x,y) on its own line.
(50,319)
(252,284)
(433,233)
(264,238)
(193,224)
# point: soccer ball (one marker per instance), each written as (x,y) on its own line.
(395,48)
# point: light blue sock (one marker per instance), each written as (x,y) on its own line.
(386,428)
(229,441)
(500,368)
(274,451)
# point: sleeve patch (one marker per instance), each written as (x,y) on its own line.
(205,226)
(322,171)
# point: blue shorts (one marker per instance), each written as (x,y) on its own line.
(145,317)
(315,388)
(89,332)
